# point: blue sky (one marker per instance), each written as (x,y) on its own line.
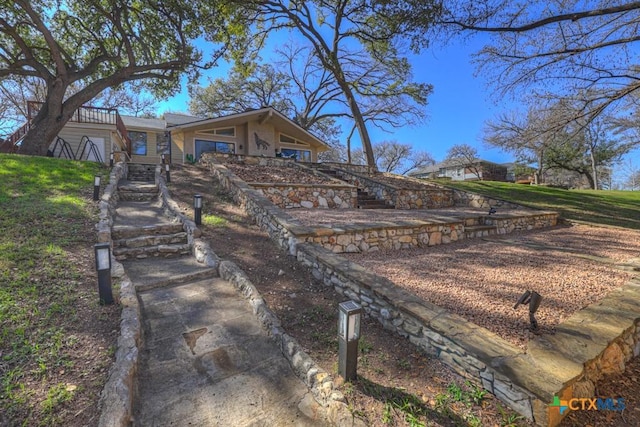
(457,109)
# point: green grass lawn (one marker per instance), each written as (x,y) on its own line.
(619,208)
(47,219)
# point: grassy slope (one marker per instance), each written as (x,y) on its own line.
(46,237)
(619,208)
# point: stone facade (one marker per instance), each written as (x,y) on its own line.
(430,197)
(289,196)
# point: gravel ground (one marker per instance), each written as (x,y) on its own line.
(257,173)
(482,279)
(336,217)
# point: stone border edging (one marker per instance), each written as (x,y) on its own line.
(116,399)
(314,377)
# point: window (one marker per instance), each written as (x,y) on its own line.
(285,139)
(138,143)
(300,155)
(203,146)
(163,143)
(230,131)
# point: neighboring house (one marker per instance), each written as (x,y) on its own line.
(93,133)
(457,171)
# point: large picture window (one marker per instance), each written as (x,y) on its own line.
(138,143)
(300,155)
(203,146)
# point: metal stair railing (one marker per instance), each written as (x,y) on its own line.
(85,142)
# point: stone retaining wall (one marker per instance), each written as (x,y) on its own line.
(429,198)
(595,341)
(473,200)
(321,196)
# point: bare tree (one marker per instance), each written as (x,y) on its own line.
(395,157)
(584,51)
(465,156)
(355,43)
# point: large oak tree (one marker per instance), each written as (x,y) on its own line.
(98,44)
(359,45)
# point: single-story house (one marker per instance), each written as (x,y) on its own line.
(463,171)
(93,133)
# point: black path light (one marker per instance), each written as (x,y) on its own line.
(163,160)
(96,187)
(103,266)
(166,168)
(111,160)
(349,314)
(197,209)
(533,299)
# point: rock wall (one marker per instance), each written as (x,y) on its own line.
(596,341)
(430,197)
(318,196)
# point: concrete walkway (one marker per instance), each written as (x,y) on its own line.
(205,359)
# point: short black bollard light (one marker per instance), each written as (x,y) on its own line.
(103,266)
(96,187)
(163,161)
(533,299)
(111,160)
(166,168)
(197,209)
(349,314)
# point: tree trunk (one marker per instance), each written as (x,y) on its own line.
(594,170)
(357,116)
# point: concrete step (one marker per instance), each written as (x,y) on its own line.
(155,240)
(159,251)
(476,231)
(122,232)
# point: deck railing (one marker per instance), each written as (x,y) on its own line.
(84,114)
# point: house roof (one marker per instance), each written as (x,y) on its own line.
(173,119)
(144,123)
(268,114)
(454,163)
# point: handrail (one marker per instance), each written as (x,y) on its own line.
(15,137)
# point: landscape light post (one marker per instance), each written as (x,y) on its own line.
(166,168)
(197,209)
(349,314)
(96,187)
(111,160)
(103,266)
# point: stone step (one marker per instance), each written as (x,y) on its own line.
(130,196)
(141,172)
(160,251)
(379,204)
(156,240)
(476,231)
(130,232)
